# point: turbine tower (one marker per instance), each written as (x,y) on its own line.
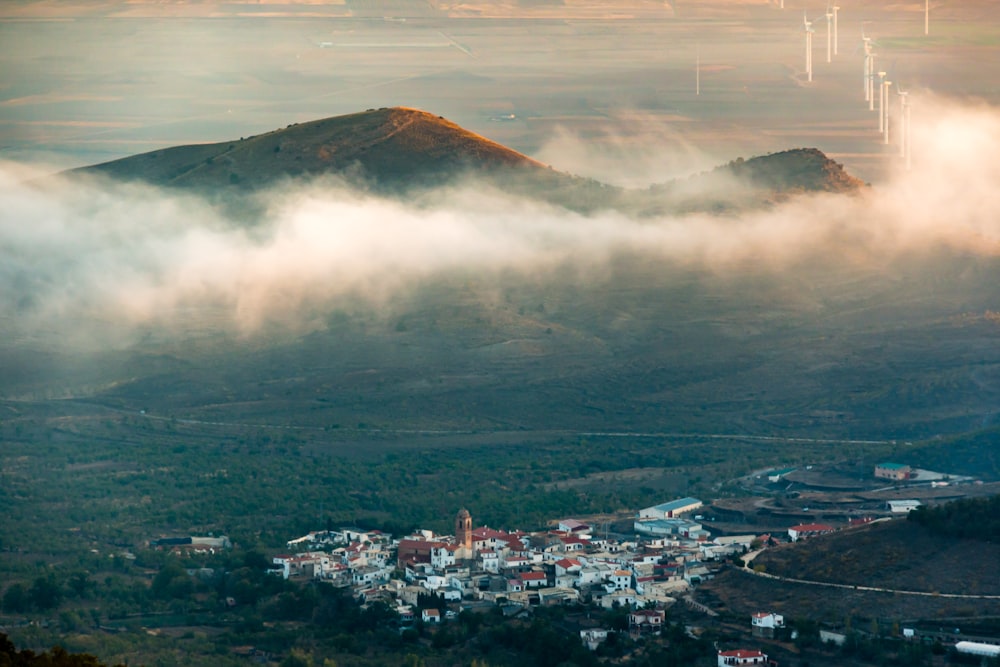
(886,85)
(835,9)
(867,42)
(697,69)
(829,35)
(904,128)
(881,102)
(927,17)
(807,24)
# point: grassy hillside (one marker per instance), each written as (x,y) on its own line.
(385,148)
(897,554)
(402,149)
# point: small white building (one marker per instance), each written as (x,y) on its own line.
(620,579)
(646,621)
(764,623)
(806,530)
(593,637)
(903,506)
(741,657)
(978,648)
(430,616)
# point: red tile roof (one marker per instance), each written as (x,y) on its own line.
(742,653)
(812,528)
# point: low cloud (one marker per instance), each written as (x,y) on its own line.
(80,260)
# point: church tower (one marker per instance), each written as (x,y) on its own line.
(463,529)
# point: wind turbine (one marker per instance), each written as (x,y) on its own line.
(881,103)
(927,17)
(866,78)
(871,82)
(835,9)
(829,36)
(904,127)
(807,24)
(697,69)
(886,85)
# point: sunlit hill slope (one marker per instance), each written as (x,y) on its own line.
(401,149)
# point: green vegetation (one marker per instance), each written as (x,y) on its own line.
(969,518)
(57,657)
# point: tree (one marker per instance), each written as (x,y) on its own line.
(45,593)
(15,599)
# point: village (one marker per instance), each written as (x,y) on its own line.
(429,578)
(515,571)
(640,566)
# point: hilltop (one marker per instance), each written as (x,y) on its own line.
(384,147)
(402,150)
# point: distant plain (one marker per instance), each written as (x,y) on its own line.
(606,90)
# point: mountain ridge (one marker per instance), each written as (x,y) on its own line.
(396,150)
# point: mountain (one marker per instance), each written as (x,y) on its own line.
(384,148)
(399,149)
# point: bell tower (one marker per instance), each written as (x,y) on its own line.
(463,529)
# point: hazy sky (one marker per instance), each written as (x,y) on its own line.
(611,98)
(592,86)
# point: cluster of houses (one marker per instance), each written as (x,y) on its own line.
(515,570)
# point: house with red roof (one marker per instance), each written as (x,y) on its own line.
(807,530)
(742,657)
(533,579)
(764,623)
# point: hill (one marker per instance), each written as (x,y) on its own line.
(898,555)
(385,149)
(399,149)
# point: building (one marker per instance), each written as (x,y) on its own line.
(646,621)
(593,637)
(741,657)
(897,472)
(807,530)
(776,476)
(573,526)
(415,551)
(903,506)
(430,616)
(671,509)
(764,623)
(977,648)
(662,527)
(463,529)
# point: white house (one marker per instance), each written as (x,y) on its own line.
(763,623)
(533,580)
(802,531)
(430,616)
(646,621)
(741,657)
(620,579)
(593,637)
(489,561)
(443,555)
(625,598)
